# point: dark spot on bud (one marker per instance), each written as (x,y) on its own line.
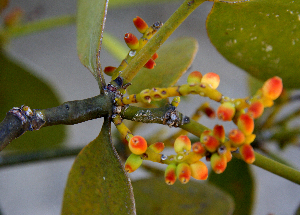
(67,107)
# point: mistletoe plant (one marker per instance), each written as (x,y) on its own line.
(98,182)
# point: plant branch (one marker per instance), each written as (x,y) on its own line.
(159,38)
(277,168)
(36,26)
(20,120)
(44,155)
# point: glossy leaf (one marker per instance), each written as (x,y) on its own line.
(18,87)
(173,60)
(97,182)
(237,180)
(261,37)
(154,196)
(91,17)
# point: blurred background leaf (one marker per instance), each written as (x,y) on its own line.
(237,181)
(17,87)
(261,37)
(154,196)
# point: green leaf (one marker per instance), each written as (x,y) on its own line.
(90,24)
(18,87)
(237,180)
(173,60)
(122,3)
(154,196)
(97,182)
(261,37)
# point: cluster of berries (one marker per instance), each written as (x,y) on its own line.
(136,45)
(213,144)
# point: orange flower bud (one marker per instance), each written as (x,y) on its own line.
(109,70)
(182,143)
(170,174)
(245,124)
(131,41)
(256,109)
(210,143)
(150,64)
(247,153)
(226,111)
(14,17)
(133,162)
(157,147)
(272,88)
(140,24)
(199,148)
(194,77)
(219,132)
(204,134)
(199,170)
(137,145)
(183,172)
(237,137)
(218,163)
(155,56)
(211,79)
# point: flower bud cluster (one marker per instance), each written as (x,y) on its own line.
(140,151)
(186,163)
(136,45)
(243,136)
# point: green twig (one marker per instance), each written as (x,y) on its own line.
(36,26)
(50,154)
(277,168)
(159,38)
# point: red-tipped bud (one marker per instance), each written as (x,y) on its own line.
(140,24)
(3,5)
(109,70)
(226,111)
(137,145)
(131,41)
(157,147)
(194,77)
(245,124)
(150,64)
(205,133)
(199,170)
(183,172)
(237,137)
(272,88)
(211,79)
(219,132)
(208,110)
(182,143)
(247,153)
(218,163)
(199,148)
(170,174)
(210,143)
(14,17)
(155,56)
(133,162)
(256,109)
